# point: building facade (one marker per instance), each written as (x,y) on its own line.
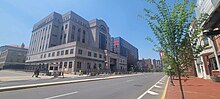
(73,43)
(12,57)
(122,47)
(157,65)
(206,62)
(149,65)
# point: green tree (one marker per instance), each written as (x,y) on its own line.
(170,25)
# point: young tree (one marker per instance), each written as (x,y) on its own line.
(170,25)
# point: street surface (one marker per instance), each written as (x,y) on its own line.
(144,86)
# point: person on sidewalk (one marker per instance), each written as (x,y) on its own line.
(62,72)
(35,71)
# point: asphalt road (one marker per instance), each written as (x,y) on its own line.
(133,87)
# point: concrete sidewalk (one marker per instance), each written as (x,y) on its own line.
(21,78)
(12,75)
(194,88)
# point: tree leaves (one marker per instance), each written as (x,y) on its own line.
(171,26)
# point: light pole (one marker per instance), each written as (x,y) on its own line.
(171,80)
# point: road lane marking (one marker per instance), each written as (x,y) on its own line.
(130,80)
(32,86)
(160,83)
(142,95)
(157,86)
(62,95)
(165,90)
(152,93)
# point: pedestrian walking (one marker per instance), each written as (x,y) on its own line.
(35,71)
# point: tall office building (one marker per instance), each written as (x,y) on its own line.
(123,48)
(73,43)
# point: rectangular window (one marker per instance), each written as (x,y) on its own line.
(78,34)
(100,66)
(100,55)
(70,64)
(62,52)
(61,64)
(66,52)
(45,55)
(84,36)
(71,51)
(65,64)
(72,37)
(53,54)
(89,54)
(41,56)
(95,54)
(78,65)
(49,54)
(58,53)
(80,51)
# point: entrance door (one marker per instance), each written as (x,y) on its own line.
(113,65)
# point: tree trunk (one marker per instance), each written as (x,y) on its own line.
(180,82)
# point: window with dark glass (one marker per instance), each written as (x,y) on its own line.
(80,51)
(71,51)
(89,53)
(49,54)
(100,66)
(61,64)
(84,36)
(78,66)
(66,26)
(78,34)
(94,66)
(70,64)
(58,53)
(102,41)
(45,55)
(72,37)
(95,54)
(100,55)
(66,52)
(53,54)
(62,52)
(65,64)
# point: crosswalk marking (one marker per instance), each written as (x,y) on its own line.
(152,93)
(157,86)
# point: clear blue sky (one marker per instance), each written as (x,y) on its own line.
(18,17)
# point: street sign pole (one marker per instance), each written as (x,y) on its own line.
(171,80)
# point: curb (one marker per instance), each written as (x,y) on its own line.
(165,89)
(59,83)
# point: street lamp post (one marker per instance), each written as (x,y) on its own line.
(171,80)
